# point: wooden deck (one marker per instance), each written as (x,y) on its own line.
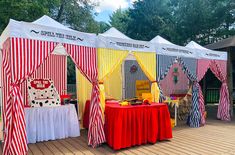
(215,138)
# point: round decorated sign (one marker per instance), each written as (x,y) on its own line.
(133,68)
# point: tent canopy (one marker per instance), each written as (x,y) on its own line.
(160,40)
(205,53)
(113,32)
(164,47)
(46,29)
(114,39)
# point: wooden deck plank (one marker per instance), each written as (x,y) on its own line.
(210,143)
(70,147)
(78,146)
(214,138)
(213,141)
(147,147)
(83,144)
(106,151)
(53,148)
(44,149)
(196,146)
(35,150)
(62,148)
(144,151)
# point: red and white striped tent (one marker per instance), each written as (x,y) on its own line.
(216,61)
(25,47)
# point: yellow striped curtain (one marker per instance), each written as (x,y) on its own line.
(113,84)
(84,88)
(109,71)
(147,62)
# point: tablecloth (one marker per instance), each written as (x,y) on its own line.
(126,126)
(50,123)
(86,115)
(87,112)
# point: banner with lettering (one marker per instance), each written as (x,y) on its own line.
(40,84)
(34,31)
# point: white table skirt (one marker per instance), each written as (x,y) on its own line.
(50,123)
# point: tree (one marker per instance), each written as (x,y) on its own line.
(119,19)
(204,21)
(150,18)
(25,10)
(76,14)
(103,27)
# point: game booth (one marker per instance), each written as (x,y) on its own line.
(127,118)
(177,78)
(27,47)
(216,61)
(120,85)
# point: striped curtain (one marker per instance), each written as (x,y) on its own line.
(195,115)
(191,64)
(85,59)
(202,67)
(147,62)
(21,58)
(224,103)
(49,70)
(164,63)
(108,61)
(218,67)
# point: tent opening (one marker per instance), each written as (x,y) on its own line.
(211,91)
(135,81)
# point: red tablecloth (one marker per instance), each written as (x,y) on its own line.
(126,126)
(87,112)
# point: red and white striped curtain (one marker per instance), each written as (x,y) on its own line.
(49,70)
(202,67)
(21,58)
(224,102)
(85,59)
(218,67)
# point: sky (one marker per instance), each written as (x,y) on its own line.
(105,8)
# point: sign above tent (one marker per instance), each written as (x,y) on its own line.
(124,44)
(164,47)
(115,39)
(54,31)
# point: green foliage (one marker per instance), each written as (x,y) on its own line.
(150,18)
(26,10)
(77,14)
(119,19)
(179,21)
(204,21)
(103,27)
(71,72)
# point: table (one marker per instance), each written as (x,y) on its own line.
(127,126)
(50,123)
(86,115)
(87,112)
